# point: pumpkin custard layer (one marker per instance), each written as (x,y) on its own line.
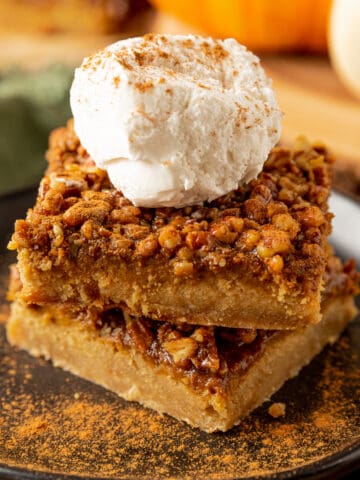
(254,258)
(210,377)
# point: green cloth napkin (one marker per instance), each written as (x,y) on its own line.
(31,105)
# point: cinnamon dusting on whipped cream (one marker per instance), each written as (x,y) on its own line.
(175,120)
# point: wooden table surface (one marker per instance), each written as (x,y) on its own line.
(316,104)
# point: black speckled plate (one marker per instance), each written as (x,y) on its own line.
(54,425)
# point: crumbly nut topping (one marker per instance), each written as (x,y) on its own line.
(276,225)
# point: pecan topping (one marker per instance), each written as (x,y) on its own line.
(84,210)
(181,350)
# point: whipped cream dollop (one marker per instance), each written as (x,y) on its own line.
(175,120)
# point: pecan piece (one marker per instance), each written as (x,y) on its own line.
(181,350)
(222,232)
(83,210)
(273,241)
(147,246)
(287,223)
(183,268)
(311,217)
(128,214)
(196,240)
(140,334)
(136,232)
(169,237)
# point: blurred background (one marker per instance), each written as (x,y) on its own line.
(311,49)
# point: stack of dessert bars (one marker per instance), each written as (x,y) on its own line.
(201,312)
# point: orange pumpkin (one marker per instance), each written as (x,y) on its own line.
(262,25)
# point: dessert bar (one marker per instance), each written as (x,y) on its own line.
(254,258)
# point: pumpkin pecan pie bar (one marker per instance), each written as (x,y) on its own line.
(210,377)
(254,258)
